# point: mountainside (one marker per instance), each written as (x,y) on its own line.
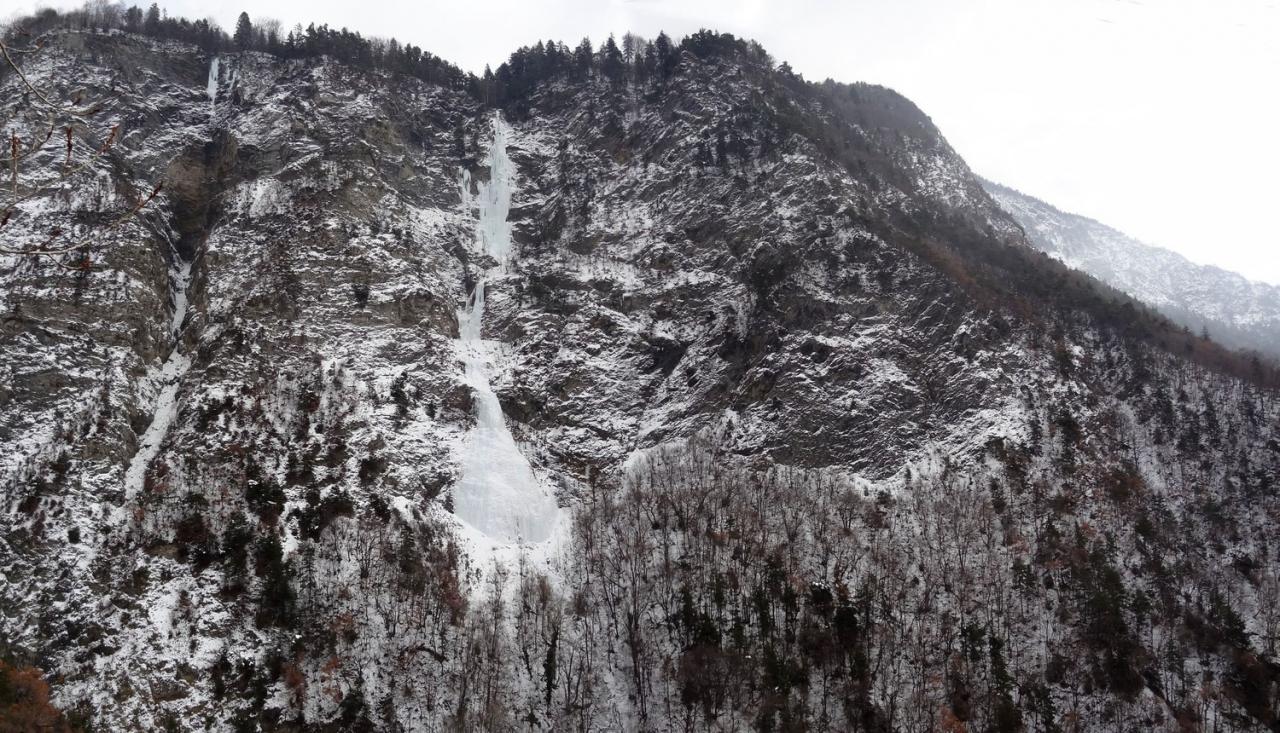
(703,397)
(1236,311)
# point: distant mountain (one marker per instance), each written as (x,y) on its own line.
(1237,312)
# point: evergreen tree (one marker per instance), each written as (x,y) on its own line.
(631,47)
(133,19)
(611,63)
(646,63)
(555,58)
(664,55)
(276,603)
(151,26)
(582,58)
(244,32)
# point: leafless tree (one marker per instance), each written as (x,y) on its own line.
(54,145)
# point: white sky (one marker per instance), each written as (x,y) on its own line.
(1157,117)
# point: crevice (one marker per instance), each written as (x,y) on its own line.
(195,182)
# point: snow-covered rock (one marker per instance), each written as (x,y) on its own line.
(659,403)
(1236,311)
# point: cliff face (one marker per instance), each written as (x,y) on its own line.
(1236,311)
(804,421)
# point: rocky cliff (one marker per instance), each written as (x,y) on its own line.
(812,437)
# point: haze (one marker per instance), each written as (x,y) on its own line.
(1157,118)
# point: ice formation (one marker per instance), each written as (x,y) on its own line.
(497,494)
(211,87)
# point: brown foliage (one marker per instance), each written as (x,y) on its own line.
(24,703)
(948,722)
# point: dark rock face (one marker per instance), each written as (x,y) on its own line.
(196,181)
(769,342)
(744,285)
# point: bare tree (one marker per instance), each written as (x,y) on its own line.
(54,145)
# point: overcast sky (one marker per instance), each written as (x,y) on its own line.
(1158,117)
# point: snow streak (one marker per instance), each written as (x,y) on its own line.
(170,378)
(181,281)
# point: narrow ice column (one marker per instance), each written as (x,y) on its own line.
(497,493)
(211,87)
(493,232)
(181,278)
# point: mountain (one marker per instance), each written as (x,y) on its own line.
(1236,311)
(657,392)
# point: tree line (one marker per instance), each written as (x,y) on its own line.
(266,35)
(635,59)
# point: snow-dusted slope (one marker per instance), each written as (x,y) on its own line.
(1235,310)
(763,408)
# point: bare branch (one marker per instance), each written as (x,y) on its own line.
(19,151)
(56,233)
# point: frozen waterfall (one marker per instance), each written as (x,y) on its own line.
(211,87)
(497,494)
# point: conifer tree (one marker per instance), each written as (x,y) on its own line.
(133,19)
(244,32)
(664,54)
(582,58)
(151,26)
(611,64)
